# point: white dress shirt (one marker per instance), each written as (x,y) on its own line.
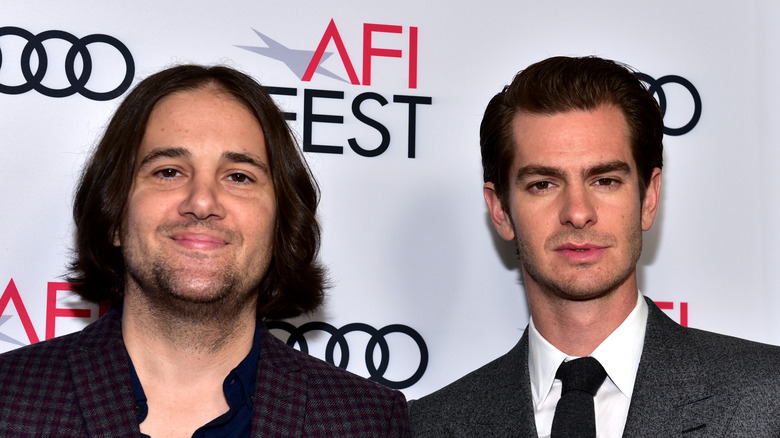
(619,354)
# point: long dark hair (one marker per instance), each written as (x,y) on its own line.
(295,281)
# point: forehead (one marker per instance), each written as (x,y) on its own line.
(205,118)
(571,139)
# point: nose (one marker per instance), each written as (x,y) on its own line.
(202,200)
(578,208)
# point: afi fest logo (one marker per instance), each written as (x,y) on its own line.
(368,108)
(54,312)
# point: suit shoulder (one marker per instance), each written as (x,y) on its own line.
(38,357)
(475,389)
(736,354)
(489,401)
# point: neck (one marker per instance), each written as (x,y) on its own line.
(175,345)
(578,327)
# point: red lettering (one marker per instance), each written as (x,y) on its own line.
(412,57)
(331,33)
(53,312)
(11,293)
(369,51)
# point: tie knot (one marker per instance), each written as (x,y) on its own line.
(584,374)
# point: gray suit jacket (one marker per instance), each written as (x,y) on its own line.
(690,383)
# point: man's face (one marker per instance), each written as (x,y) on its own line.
(201,212)
(574,208)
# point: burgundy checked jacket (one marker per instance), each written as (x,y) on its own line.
(79,386)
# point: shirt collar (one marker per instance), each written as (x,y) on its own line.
(619,354)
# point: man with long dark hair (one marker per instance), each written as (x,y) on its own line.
(195,220)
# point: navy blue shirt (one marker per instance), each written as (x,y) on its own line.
(239,388)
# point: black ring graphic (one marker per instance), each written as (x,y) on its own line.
(377,338)
(78,47)
(655,86)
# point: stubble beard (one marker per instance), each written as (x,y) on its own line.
(201,318)
(167,292)
(570,288)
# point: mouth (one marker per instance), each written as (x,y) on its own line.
(199,241)
(579,247)
(580,252)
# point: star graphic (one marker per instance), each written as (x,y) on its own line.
(6,338)
(296,60)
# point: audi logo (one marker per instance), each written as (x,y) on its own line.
(378,337)
(655,86)
(77,82)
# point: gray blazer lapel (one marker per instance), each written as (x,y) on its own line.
(673,395)
(280,391)
(101,379)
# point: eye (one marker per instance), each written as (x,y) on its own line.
(606,182)
(540,186)
(168,173)
(240,178)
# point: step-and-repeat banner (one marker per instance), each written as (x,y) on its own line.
(386,99)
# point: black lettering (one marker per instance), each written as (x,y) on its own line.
(413,101)
(309,118)
(284,91)
(379,150)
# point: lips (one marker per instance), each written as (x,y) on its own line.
(199,241)
(580,253)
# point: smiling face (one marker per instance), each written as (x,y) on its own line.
(201,212)
(574,206)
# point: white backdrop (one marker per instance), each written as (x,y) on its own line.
(408,240)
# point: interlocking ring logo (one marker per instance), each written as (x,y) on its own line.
(378,338)
(78,47)
(655,86)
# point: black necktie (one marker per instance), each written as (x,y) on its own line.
(574,414)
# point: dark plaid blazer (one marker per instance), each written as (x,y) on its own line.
(79,386)
(690,383)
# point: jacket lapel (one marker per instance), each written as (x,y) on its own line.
(101,379)
(673,395)
(280,391)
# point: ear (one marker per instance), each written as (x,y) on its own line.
(652,198)
(115,239)
(501,218)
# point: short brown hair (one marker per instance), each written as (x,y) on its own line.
(561,84)
(295,281)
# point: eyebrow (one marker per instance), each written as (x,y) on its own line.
(611,167)
(174,152)
(555,172)
(155,154)
(537,170)
(243,157)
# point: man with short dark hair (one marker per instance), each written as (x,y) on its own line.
(572,157)
(195,219)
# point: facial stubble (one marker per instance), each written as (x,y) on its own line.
(571,289)
(178,301)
